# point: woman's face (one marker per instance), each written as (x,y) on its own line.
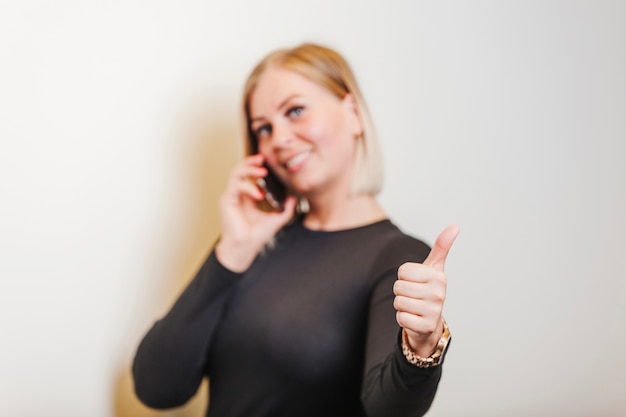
(307,135)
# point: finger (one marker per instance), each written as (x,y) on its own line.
(280,218)
(289,206)
(415,323)
(439,252)
(256,159)
(426,310)
(246,188)
(420,291)
(420,273)
(249,171)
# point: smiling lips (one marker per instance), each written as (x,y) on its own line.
(293,162)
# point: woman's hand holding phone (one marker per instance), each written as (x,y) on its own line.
(245,227)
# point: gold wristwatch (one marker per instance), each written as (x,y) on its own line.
(435,358)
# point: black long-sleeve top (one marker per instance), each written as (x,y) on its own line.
(308,330)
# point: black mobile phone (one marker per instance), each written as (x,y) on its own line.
(274,191)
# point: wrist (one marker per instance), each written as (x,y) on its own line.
(235,256)
(434,357)
(422,345)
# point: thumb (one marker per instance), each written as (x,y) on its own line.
(290,206)
(439,253)
(288,210)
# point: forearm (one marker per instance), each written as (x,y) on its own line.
(170,361)
(399,388)
(392,385)
(237,255)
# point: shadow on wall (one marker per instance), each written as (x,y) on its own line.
(212,148)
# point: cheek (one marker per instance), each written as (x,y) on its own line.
(319,125)
(319,133)
(336,136)
(270,158)
(265,149)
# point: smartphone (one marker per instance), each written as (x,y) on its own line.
(274,191)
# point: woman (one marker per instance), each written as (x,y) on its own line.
(308,324)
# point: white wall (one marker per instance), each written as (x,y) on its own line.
(118,126)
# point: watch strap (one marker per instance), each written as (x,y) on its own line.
(435,359)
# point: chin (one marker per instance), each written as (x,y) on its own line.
(308,187)
(304,190)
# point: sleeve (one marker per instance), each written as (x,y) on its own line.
(391,385)
(171,359)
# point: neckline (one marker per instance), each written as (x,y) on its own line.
(374,224)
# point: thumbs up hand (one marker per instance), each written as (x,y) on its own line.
(420,293)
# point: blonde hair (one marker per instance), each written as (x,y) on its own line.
(328,69)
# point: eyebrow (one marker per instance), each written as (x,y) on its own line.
(280,106)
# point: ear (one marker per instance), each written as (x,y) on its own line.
(353,113)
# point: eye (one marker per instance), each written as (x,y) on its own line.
(262,131)
(295,111)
